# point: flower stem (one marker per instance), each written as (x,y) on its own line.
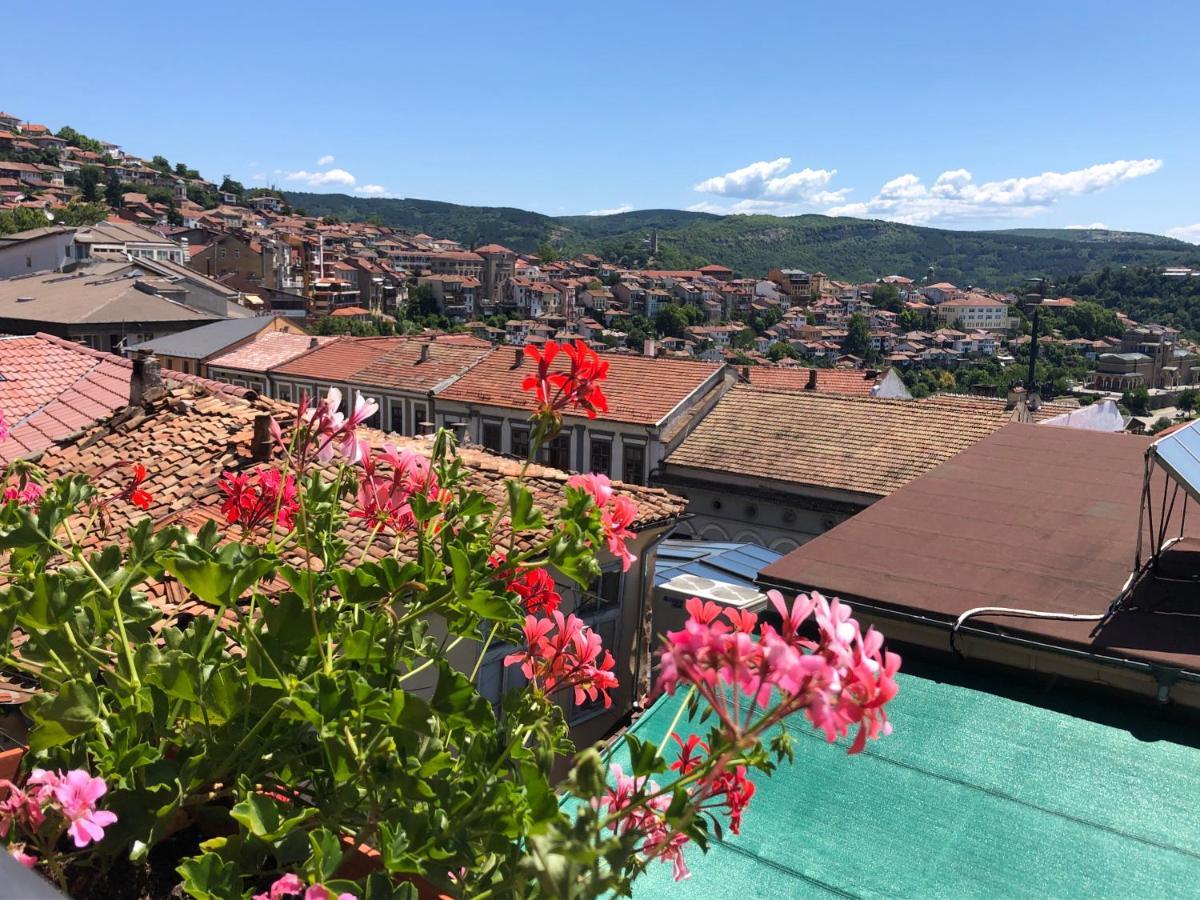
(675,721)
(483,650)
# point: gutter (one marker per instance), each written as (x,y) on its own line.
(1163,675)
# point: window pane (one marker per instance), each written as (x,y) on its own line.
(520,442)
(557,453)
(491,436)
(633,463)
(601,460)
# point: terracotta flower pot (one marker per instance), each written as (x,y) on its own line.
(10,763)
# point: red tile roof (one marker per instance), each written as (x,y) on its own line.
(403,369)
(340,359)
(851,382)
(51,388)
(861,445)
(268,351)
(640,390)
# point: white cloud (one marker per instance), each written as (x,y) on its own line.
(371,190)
(1095,226)
(317,179)
(623,208)
(955,195)
(765,180)
(744,208)
(258,176)
(325,160)
(1189,233)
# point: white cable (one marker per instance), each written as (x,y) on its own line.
(1023,613)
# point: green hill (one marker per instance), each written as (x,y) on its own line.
(853,249)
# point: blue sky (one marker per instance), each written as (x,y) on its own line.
(957,114)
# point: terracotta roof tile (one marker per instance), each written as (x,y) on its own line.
(862,445)
(268,351)
(403,369)
(852,382)
(187,441)
(640,389)
(339,359)
(50,388)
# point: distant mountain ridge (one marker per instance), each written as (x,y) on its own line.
(852,249)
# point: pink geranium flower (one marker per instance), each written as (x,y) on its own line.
(290,885)
(77,793)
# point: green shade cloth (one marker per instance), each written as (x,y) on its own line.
(982,791)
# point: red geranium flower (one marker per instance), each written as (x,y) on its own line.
(133,491)
(578,387)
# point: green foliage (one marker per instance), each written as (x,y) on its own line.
(21,219)
(1084,320)
(858,336)
(1137,401)
(781,350)
(201,197)
(1144,294)
(160,163)
(672,319)
(546,252)
(1058,370)
(1162,423)
(887,296)
(373,327)
(113,191)
(855,249)
(1187,399)
(228,185)
(78,213)
(89,183)
(82,141)
(285,712)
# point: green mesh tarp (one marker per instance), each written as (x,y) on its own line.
(976,794)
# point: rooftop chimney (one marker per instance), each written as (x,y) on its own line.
(261,444)
(745,373)
(1016,396)
(424,357)
(460,432)
(145,378)
(313,343)
(649,347)
(812,380)
(519,354)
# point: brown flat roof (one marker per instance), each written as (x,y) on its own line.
(1031,517)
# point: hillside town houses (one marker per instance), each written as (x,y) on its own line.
(435,331)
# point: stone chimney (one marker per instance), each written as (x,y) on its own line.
(812,380)
(313,343)
(460,432)
(1016,396)
(518,355)
(145,383)
(424,357)
(746,373)
(649,348)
